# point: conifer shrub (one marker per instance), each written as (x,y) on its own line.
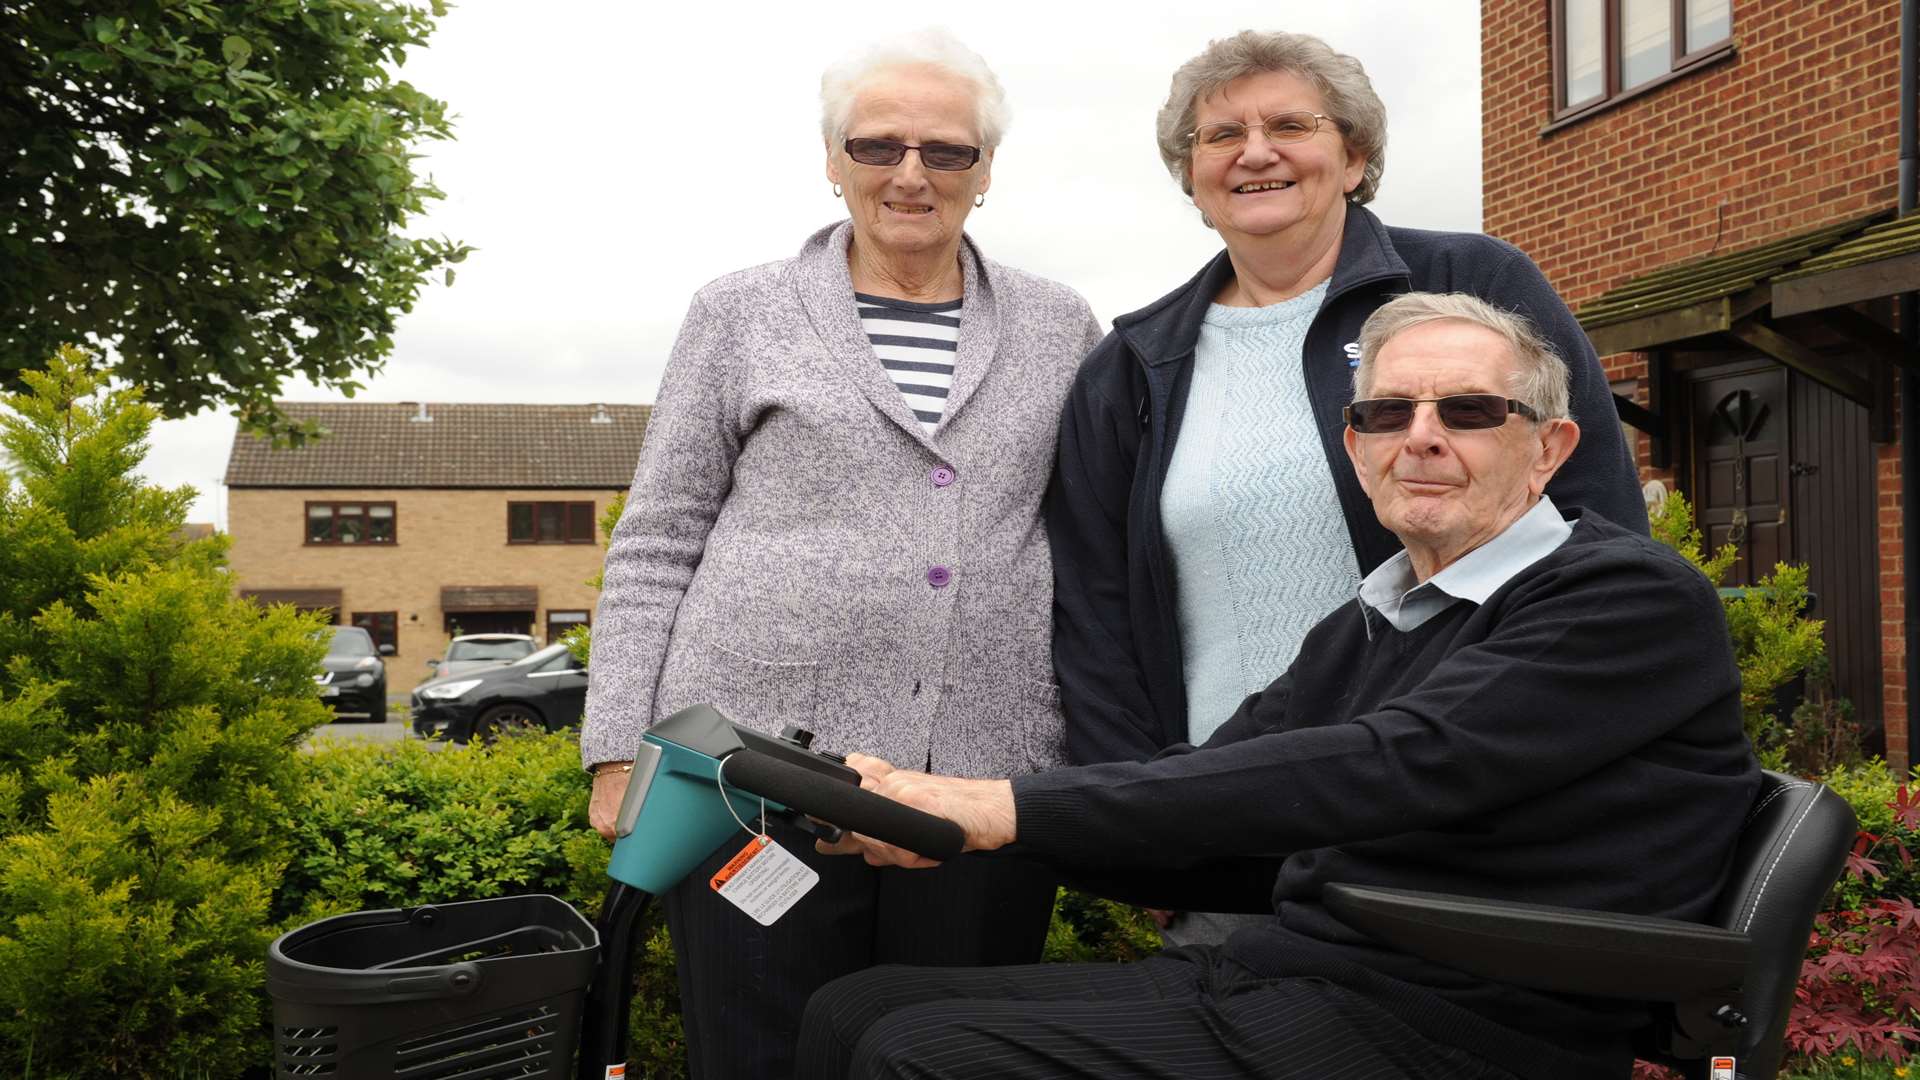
(149,721)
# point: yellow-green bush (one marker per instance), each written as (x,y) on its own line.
(148,719)
(1772,640)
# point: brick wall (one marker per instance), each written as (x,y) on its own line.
(444,538)
(1795,131)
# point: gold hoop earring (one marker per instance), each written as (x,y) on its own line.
(980,199)
(836,191)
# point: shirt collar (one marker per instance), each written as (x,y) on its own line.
(1392,591)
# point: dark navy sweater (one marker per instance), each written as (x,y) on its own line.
(1575,740)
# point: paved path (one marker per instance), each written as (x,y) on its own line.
(353,731)
(398,726)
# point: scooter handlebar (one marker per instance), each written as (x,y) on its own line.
(846,805)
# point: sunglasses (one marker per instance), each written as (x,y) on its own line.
(945,157)
(1459,412)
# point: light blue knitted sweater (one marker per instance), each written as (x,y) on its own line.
(1260,549)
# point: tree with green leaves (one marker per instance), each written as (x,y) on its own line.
(149,730)
(214,192)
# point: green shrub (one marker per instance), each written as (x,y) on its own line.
(1822,734)
(1090,929)
(1772,641)
(148,725)
(1872,789)
(399,825)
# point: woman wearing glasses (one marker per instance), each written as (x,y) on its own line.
(835,523)
(1203,514)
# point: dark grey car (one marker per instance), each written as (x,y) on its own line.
(353,677)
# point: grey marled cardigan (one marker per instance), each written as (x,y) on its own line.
(775,553)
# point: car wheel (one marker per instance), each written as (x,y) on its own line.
(508,718)
(377,712)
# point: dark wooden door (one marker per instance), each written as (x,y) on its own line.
(1739,444)
(1831,487)
(1783,468)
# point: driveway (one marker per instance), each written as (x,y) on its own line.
(397,727)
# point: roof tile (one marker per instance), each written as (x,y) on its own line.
(375,445)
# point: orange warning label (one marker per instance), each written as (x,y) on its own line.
(740,860)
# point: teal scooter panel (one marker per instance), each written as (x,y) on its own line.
(673,815)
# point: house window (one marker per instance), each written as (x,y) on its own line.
(550,523)
(350,523)
(382,626)
(559,622)
(1607,50)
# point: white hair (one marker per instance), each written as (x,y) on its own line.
(932,47)
(1539,374)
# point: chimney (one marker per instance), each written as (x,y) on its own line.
(420,417)
(600,415)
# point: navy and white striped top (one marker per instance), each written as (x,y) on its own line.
(916,344)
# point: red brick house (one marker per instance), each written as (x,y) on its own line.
(1712,185)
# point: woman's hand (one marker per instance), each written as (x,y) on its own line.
(982,808)
(609,788)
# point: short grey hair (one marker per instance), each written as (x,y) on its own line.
(1343,85)
(840,84)
(1539,374)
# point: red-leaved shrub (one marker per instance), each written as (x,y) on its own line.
(1860,984)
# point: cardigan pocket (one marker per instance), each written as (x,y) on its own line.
(1046,727)
(1006,726)
(761,694)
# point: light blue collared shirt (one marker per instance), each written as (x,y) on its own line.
(1392,591)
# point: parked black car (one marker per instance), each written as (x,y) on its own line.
(544,692)
(353,677)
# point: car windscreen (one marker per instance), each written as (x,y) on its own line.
(350,644)
(488,650)
(558,658)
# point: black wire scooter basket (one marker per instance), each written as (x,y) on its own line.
(477,990)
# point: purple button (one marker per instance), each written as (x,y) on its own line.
(939,576)
(942,476)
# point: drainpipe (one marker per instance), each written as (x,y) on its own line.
(1909,379)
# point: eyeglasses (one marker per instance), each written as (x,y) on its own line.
(945,157)
(1459,412)
(1230,135)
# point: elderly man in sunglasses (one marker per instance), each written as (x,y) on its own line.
(1528,703)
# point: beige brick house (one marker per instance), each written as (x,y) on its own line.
(418,521)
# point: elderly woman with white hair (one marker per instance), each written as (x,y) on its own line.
(835,523)
(1203,517)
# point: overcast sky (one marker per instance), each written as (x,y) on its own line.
(594,225)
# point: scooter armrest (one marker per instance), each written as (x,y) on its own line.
(1558,949)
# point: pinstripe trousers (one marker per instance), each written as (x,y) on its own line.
(743,986)
(1186,1014)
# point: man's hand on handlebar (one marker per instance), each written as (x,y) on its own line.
(982,808)
(609,787)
